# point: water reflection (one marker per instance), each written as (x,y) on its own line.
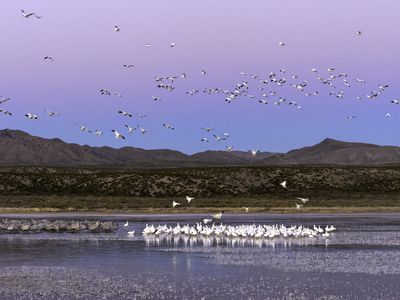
(215,241)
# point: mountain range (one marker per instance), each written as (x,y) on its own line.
(19,148)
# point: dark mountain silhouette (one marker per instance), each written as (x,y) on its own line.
(18,148)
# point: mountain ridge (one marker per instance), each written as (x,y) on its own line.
(19,148)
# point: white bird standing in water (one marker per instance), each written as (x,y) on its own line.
(218,216)
(126,224)
(298,206)
(246,209)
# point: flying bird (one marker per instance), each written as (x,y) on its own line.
(304,200)
(189,199)
(284,184)
(130,129)
(168,126)
(142,130)
(28,15)
(52,113)
(125,113)
(83,128)
(174,203)
(6,112)
(253,152)
(31,116)
(4,100)
(116,28)
(117,134)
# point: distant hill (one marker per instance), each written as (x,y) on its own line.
(18,148)
(333,152)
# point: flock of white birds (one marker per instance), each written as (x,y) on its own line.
(267,231)
(264,89)
(243,231)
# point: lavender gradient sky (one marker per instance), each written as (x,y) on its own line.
(222,37)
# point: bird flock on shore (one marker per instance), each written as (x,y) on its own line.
(265,89)
(245,231)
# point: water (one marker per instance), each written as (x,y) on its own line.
(361,260)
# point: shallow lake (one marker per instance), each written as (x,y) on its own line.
(361,260)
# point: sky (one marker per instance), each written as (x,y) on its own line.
(222,37)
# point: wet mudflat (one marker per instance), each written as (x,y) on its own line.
(361,260)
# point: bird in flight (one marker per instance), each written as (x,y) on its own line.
(284,184)
(3,99)
(130,129)
(208,129)
(125,113)
(174,203)
(304,200)
(253,152)
(168,126)
(6,112)
(118,135)
(188,199)
(31,116)
(116,28)
(52,113)
(28,15)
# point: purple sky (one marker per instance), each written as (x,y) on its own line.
(223,37)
